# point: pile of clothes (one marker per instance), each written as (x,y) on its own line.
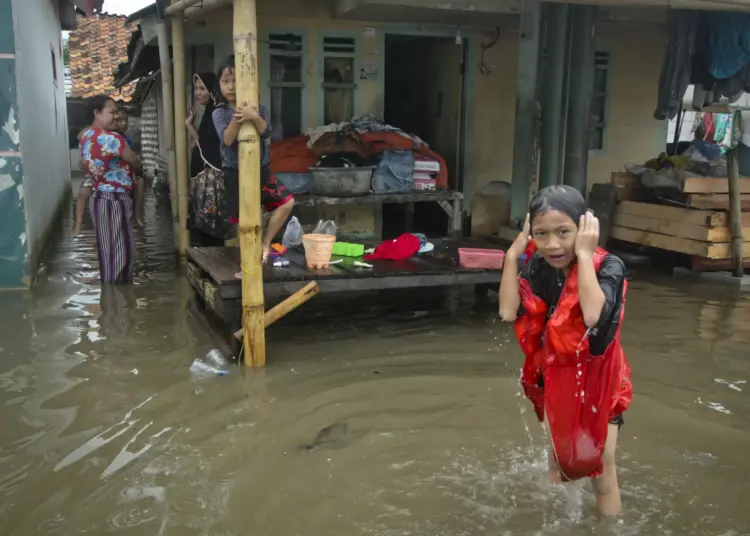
(710,50)
(703,158)
(402,162)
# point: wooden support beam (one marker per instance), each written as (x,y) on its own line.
(250,228)
(735,211)
(287,306)
(180,132)
(579,101)
(525,139)
(167,93)
(556,41)
(204,7)
(178,6)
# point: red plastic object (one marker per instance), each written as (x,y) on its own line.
(486,259)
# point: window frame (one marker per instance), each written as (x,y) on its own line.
(321,56)
(603,124)
(267,85)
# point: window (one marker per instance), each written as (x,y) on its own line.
(54,66)
(286,84)
(339,79)
(599,101)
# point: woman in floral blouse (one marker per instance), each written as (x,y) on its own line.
(111,164)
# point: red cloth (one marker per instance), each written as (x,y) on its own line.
(403,247)
(292,155)
(580,393)
(709,125)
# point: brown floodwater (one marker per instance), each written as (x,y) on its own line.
(104,431)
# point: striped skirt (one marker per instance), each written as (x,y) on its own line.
(113,220)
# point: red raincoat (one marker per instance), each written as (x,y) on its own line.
(580,393)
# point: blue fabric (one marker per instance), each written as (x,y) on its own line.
(394,172)
(730,43)
(710,151)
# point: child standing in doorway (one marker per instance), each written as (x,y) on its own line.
(567,303)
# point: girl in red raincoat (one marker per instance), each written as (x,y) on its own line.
(567,302)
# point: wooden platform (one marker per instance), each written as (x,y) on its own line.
(212,274)
(702,234)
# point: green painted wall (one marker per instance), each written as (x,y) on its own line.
(12,218)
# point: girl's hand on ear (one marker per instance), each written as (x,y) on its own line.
(587,238)
(522,240)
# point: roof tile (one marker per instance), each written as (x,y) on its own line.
(97,46)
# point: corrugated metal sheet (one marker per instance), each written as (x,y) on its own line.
(150,133)
(68,82)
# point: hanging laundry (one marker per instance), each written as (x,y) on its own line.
(722,122)
(675,71)
(730,42)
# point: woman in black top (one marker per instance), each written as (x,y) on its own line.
(203,138)
(204,134)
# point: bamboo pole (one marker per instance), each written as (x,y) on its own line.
(204,7)
(246,73)
(287,306)
(735,212)
(168,109)
(180,116)
(178,6)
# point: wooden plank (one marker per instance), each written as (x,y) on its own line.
(347,265)
(715,201)
(673,228)
(297,258)
(378,199)
(626,179)
(220,265)
(398,282)
(676,214)
(677,244)
(712,185)
(670,243)
(602,201)
(698,264)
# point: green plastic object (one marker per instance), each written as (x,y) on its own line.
(345,249)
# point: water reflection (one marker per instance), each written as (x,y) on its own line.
(105,431)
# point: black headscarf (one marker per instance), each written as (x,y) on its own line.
(207,136)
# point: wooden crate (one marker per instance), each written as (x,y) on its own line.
(700,233)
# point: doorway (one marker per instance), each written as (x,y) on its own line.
(424,95)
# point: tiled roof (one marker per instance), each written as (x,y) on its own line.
(97,47)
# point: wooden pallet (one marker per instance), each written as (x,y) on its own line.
(703,193)
(698,233)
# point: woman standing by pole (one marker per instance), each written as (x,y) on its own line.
(111,164)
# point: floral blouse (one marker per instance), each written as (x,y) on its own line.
(101,154)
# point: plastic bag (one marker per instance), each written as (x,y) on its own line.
(292,234)
(214,364)
(327,227)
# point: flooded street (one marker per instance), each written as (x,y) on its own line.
(105,432)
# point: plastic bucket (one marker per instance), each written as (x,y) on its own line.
(318,250)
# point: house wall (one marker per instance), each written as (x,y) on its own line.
(43,120)
(12,216)
(632,134)
(636,49)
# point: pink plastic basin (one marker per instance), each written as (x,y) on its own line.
(487,259)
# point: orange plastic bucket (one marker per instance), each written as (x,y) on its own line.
(318,249)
